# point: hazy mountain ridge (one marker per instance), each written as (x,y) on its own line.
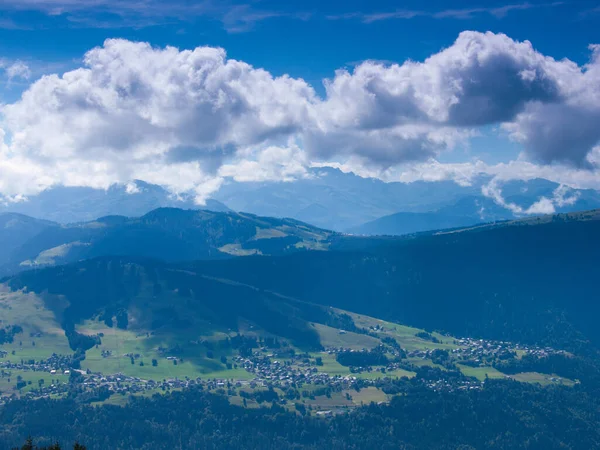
(336,200)
(82,204)
(343,201)
(326,197)
(167,233)
(408,222)
(16,230)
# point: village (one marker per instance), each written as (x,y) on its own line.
(271,368)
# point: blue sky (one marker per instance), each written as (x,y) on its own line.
(307,41)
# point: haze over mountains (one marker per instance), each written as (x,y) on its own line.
(342,201)
(328,198)
(82,204)
(168,234)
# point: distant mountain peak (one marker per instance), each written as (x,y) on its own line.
(80,204)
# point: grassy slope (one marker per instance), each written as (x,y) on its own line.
(167,233)
(29,311)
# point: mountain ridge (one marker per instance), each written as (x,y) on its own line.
(326,197)
(67,205)
(463,281)
(165,233)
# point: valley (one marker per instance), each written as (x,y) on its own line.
(253,315)
(345,367)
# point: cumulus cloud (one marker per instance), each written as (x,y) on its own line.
(561,196)
(135,110)
(564,131)
(414,110)
(186,119)
(270,164)
(132,98)
(15,69)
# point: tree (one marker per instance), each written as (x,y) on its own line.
(30,446)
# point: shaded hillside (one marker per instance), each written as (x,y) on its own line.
(15,230)
(530,281)
(80,204)
(168,234)
(148,296)
(408,223)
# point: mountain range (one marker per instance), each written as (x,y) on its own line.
(468,282)
(245,306)
(168,234)
(83,204)
(332,199)
(529,281)
(327,198)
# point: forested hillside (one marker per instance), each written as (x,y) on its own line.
(168,234)
(504,415)
(531,281)
(505,353)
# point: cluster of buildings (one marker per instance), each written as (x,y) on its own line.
(294,372)
(55,364)
(452,385)
(485,352)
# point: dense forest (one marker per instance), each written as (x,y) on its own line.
(466,283)
(502,415)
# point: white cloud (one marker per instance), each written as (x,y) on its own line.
(18,69)
(135,111)
(390,113)
(542,206)
(562,196)
(269,164)
(132,188)
(566,130)
(187,119)
(135,99)
(462,13)
(432,170)
(15,69)
(143,13)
